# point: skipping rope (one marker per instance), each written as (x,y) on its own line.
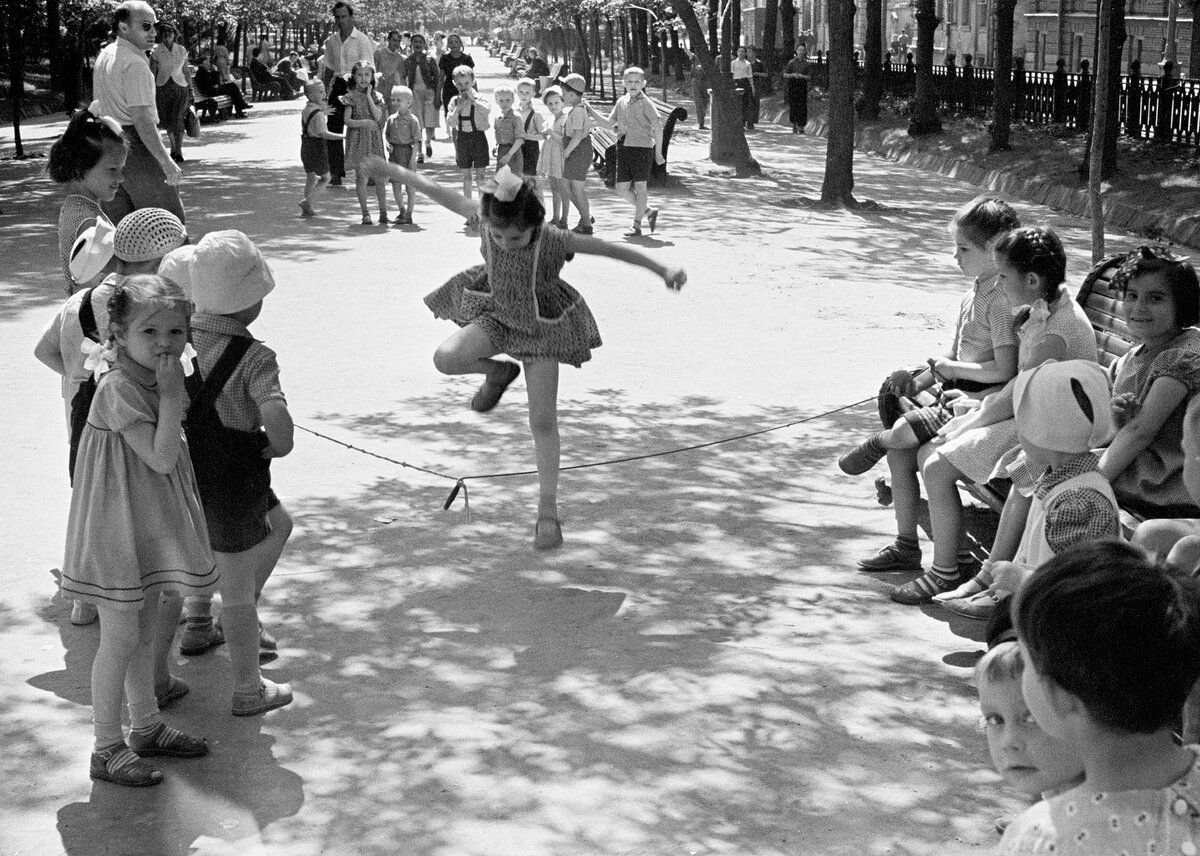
(460,482)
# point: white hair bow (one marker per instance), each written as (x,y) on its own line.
(94,109)
(101,356)
(508,184)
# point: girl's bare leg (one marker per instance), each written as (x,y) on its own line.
(945,507)
(541,383)
(578,190)
(466,352)
(360,186)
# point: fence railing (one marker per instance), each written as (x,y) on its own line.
(1158,108)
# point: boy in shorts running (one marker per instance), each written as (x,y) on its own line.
(636,123)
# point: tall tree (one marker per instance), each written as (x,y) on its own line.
(787,22)
(770,28)
(924,109)
(1099,128)
(873,59)
(1194,52)
(837,190)
(728,145)
(1002,82)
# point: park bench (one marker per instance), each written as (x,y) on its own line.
(1101,303)
(262,86)
(212,107)
(604,145)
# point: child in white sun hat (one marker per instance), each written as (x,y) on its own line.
(238,420)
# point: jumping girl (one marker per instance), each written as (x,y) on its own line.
(365,118)
(515,303)
(136,528)
(89,158)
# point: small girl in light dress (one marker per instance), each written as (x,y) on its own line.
(365,118)
(516,303)
(136,528)
(89,159)
(551,162)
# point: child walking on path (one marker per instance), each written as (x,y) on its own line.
(1111,645)
(237,422)
(314,151)
(577,150)
(551,162)
(89,159)
(403,137)
(365,117)
(982,358)
(136,528)
(516,303)
(636,123)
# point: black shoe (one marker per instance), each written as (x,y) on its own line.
(337,182)
(652,218)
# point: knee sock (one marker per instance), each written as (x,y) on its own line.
(944,573)
(908,542)
(241,636)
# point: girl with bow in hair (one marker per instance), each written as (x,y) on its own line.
(516,304)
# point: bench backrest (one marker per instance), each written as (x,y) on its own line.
(1102,304)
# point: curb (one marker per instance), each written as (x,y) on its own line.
(1180,230)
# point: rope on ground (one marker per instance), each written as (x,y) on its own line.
(460,482)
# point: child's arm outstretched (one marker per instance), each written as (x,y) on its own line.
(322,128)
(159,445)
(1164,395)
(277,422)
(674,277)
(379,169)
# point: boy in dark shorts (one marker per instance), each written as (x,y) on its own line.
(314,152)
(639,146)
(238,420)
(467,120)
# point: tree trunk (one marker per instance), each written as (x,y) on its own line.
(54,48)
(873,64)
(838,188)
(1116,40)
(1194,52)
(714,17)
(1002,83)
(727,43)
(583,60)
(735,17)
(787,22)
(770,27)
(924,109)
(16,70)
(728,146)
(1100,128)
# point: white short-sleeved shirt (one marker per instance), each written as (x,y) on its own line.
(341,55)
(172,61)
(121,80)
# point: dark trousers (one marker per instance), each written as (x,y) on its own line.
(337,124)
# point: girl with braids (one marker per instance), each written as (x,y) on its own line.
(1030,266)
(136,527)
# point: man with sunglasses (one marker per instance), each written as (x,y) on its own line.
(124,85)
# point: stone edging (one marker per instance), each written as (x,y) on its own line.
(1072,200)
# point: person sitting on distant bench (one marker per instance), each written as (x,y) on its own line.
(209,85)
(264,77)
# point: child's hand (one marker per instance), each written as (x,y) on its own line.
(1007,578)
(941,367)
(674,277)
(169,375)
(1124,407)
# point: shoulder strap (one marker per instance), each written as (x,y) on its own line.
(529,118)
(308,121)
(212,385)
(87,317)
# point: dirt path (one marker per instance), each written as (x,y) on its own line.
(697,671)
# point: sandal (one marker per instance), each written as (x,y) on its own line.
(118,764)
(489,393)
(174,690)
(547,533)
(165,740)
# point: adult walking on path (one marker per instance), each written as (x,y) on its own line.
(796,74)
(699,89)
(124,85)
(346,46)
(173,82)
(450,60)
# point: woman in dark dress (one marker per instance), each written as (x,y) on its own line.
(796,75)
(450,60)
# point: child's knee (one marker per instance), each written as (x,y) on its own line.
(1159,537)
(445,359)
(119,631)
(1185,555)
(543,422)
(281,522)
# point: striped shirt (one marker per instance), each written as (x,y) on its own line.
(985,322)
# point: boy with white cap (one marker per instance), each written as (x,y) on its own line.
(238,420)
(81,326)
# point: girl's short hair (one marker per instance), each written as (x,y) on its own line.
(463,71)
(504,87)
(140,292)
(1176,270)
(1118,631)
(1037,250)
(551,90)
(525,211)
(1002,662)
(983,218)
(81,146)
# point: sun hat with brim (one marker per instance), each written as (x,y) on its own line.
(1063,406)
(92,251)
(148,234)
(177,267)
(575,82)
(228,273)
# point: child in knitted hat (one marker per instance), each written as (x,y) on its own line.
(238,420)
(80,327)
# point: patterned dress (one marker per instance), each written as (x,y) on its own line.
(362,142)
(518,299)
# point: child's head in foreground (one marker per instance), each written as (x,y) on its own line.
(1027,757)
(1153,280)
(463,77)
(975,227)
(511,209)
(1061,407)
(90,155)
(224,274)
(148,318)
(1110,640)
(401,99)
(138,242)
